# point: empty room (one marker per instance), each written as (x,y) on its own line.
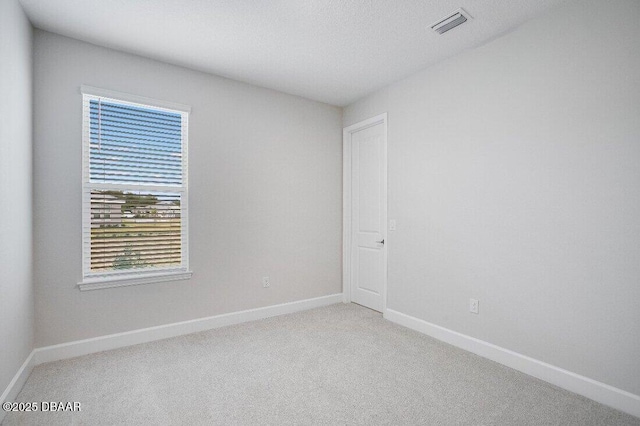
(320,212)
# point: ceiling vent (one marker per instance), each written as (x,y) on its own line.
(451,21)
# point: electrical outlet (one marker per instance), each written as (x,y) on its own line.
(474,305)
(392,225)
(265,282)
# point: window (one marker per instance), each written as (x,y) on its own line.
(134,190)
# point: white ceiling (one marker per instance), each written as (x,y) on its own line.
(334,51)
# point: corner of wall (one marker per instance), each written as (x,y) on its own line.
(17,307)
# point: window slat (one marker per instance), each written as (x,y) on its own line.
(112,168)
(135,110)
(132,157)
(150,121)
(114,126)
(136,140)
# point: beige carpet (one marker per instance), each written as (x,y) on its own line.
(338,365)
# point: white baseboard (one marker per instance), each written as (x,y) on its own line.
(16,384)
(600,392)
(119,340)
(592,389)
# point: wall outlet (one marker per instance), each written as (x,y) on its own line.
(392,225)
(265,282)
(474,306)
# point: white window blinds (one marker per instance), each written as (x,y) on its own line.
(134,189)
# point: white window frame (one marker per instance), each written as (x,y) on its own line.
(108,279)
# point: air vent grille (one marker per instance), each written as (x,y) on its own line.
(451,21)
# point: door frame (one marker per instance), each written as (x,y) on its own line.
(347,133)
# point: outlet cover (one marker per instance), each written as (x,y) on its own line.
(474,306)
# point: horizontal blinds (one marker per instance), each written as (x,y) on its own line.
(134,230)
(134,201)
(134,144)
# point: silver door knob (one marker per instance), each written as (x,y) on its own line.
(380,242)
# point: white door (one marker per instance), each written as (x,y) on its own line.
(368,214)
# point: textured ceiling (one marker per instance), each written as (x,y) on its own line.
(334,51)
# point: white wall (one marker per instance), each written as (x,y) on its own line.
(265,194)
(16,285)
(514,177)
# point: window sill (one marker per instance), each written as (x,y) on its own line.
(127,280)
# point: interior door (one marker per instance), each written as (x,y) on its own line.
(368,213)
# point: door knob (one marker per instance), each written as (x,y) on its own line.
(380,242)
